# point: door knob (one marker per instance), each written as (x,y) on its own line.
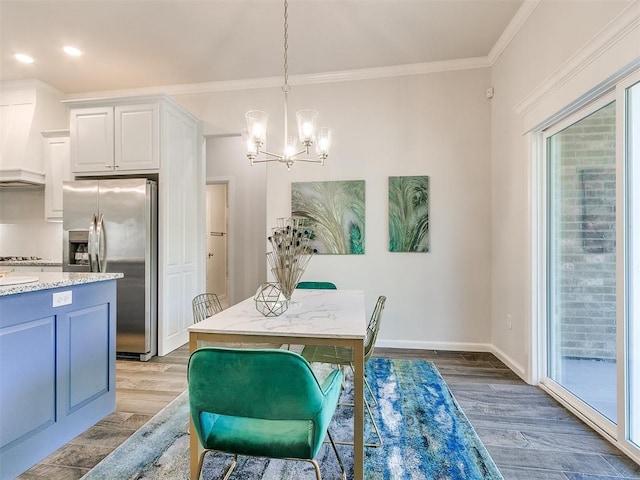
(210,255)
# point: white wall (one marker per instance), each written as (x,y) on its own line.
(23,230)
(433,124)
(553,34)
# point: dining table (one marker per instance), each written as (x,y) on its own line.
(313,317)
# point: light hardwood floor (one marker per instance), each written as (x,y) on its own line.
(529,435)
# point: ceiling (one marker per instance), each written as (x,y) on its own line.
(145,43)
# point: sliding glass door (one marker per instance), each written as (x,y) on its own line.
(581,156)
(591,251)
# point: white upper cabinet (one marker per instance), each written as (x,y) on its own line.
(92,132)
(137,137)
(108,140)
(57,157)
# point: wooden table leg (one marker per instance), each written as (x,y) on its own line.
(358,413)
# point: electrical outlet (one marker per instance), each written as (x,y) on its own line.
(62,298)
(509,321)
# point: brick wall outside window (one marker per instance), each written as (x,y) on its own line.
(585,240)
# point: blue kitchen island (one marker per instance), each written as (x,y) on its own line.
(57,361)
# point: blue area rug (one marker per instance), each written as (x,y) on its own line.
(426,436)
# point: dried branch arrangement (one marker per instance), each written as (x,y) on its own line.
(290,253)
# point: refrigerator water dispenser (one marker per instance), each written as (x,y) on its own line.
(79,247)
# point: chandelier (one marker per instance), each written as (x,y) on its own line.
(308,133)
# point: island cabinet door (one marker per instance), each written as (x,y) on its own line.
(57,369)
(85,336)
(27,382)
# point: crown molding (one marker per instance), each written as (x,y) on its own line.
(624,23)
(514,26)
(309,79)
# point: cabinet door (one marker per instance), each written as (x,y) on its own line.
(58,168)
(137,138)
(92,140)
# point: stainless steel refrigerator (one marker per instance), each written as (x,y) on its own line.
(111,226)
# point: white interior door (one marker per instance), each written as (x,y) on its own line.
(217,211)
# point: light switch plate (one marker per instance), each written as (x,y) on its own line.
(62,298)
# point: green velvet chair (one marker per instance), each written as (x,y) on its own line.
(343,356)
(264,403)
(317,285)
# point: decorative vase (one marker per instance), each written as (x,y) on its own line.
(270,300)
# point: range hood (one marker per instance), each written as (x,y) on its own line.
(20,178)
(27,108)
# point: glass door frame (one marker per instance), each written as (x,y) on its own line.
(624,272)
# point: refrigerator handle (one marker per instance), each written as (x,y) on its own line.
(93,264)
(101,244)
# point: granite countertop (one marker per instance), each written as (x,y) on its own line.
(49,280)
(31,263)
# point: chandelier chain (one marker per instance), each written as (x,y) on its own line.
(286,87)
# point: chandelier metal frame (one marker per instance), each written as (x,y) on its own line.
(255,135)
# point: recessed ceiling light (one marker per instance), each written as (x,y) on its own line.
(21,57)
(73,51)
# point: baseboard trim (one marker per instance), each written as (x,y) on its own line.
(451,346)
(457,347)
(514,366)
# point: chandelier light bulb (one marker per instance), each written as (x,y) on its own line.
(307,129)
(251,147)
(257,126)
(290,149)
(257,131)
(324,142)
(307,120)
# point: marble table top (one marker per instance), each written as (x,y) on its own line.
(48,280)
(311,313)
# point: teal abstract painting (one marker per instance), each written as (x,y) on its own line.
(409,214)
(333,212)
